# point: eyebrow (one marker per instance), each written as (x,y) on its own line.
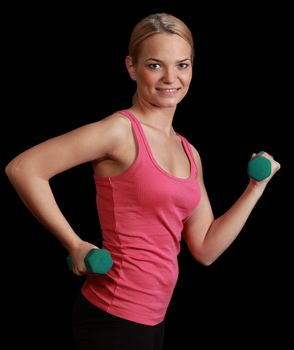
(160,61)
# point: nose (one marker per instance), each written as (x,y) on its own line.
(169,75)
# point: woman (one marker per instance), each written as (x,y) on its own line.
(150,191)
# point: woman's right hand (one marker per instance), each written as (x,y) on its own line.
(77,256)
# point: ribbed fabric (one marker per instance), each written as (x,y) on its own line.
(141,213)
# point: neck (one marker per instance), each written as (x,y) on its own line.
(158,118)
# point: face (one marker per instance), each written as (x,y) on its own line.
(163,71)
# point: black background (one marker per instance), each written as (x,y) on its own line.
(64,67)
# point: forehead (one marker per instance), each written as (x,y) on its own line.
(165,45)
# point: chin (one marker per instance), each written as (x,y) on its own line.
(165,105)
(171,103)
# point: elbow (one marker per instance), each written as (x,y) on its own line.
(13,171)
(204,259)
(206,263)
(9,170)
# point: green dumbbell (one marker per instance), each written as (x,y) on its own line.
(96,261)
(259,167)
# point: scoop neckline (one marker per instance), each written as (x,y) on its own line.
(154,161)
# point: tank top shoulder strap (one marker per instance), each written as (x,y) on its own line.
(189,152)
(134,122)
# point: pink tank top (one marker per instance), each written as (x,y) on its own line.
(141,213)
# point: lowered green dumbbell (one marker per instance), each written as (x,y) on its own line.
(259,167)
(96,261)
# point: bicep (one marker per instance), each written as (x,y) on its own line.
(197,226)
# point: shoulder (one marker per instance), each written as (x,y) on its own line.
(111,126)
(196,157)
(195,153)
(116,126)
(115,122)
(99,137)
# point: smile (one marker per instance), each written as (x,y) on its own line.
(167,90)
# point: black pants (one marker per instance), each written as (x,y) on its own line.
(95,329)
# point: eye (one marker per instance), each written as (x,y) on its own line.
(184,65)
(154,65)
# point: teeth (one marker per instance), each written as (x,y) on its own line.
(168,90)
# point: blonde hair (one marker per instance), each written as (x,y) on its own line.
(155,24)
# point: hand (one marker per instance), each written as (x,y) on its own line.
(77,257)
(274,167)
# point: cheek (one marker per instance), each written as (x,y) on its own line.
(147,78)
(187,78)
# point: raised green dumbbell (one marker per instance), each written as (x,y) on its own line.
(259,167)
(96,261)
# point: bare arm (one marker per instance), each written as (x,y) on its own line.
(207,237)
(31,171)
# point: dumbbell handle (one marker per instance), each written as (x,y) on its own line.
(259,167)
(96,261)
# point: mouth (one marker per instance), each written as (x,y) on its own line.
(169,91)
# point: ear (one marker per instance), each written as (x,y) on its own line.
(130,67)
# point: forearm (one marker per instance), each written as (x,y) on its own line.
(224,230)
(37,195)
